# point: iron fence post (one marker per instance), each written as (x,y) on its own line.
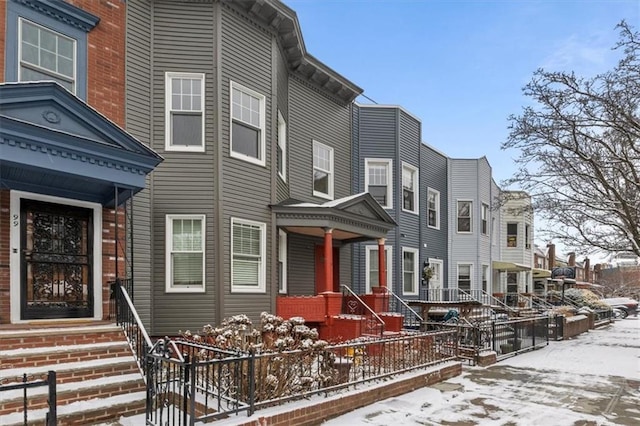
(533,332)
(252,383)
(52,415)
(494,338)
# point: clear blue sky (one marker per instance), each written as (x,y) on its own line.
(460,65)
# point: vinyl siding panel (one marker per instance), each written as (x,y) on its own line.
(433,174)
(282,190)
(301,258)
(377,137)
(183,41)
(137,119)
(247,60)
(312,116)
(409,223)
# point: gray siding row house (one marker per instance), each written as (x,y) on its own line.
(275,183)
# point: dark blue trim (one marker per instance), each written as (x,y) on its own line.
(25,9)
(64,12)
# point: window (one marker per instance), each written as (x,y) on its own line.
(322,170)
(185,253)
(282,261)
(485,218)
(436,266)
(512,235)
(372,278)
(410,271)
(184,112)
(282,147)
(433,208)
(409,188)
(247,124)
(527,236)
(485,278)
(464,216)
(464,277)
(46,55)
(248,248)
(377,181)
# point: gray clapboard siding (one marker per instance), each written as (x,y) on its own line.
(137,108)
(183,41)
(282,190)
(433,174)
(247,60)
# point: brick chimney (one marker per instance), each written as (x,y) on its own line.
(551,254)
(587,270)
(572,259)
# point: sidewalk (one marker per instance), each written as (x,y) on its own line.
(593,379)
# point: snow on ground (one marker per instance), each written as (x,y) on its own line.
(593,379)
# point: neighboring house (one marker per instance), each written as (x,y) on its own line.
(386,153)
(66,163)
(253,202)
(471,195)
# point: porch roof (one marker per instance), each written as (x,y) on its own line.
(509,266)
(541,273)
(52,143)
(355,218)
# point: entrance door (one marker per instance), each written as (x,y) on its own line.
(56,261)
(320,275)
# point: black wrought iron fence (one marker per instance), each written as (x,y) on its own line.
(51,418)
(512,336)
(190,383)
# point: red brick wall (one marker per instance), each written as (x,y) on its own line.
(5,222)
(333,407)
(106,44)
(109,249)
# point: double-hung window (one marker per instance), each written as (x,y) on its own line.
(409,188)
(464,276)
(378,181)
(373,266)
(322,170)
(464,216)
(185,253)
(46,55)
(248,249)
(410,274)
(433,208)
(512,235)
(282,147)
(485,219)
(247,124)
(184,112)
(485,278)
(527,236)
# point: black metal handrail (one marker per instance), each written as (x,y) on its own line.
(411,319)
(127,317)
(51,418)
(370,318)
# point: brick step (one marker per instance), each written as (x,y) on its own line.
(58,336)
(54,355)
(73,371)
(83,413)
(67,393)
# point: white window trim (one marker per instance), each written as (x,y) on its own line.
(44,70)
(416,188)
(331,172)
(439,262)
(262,150)
(485,267)
(486,218)
(15,241)
(169,288)
(282,257)
(282,143)
(506,242)
(389,164)
(262,274)
(416,273)
(435,191)
(470,231)
(389,259)
(168,76)
(470,274)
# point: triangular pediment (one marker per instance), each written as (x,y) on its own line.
(364,205)
(49,106)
